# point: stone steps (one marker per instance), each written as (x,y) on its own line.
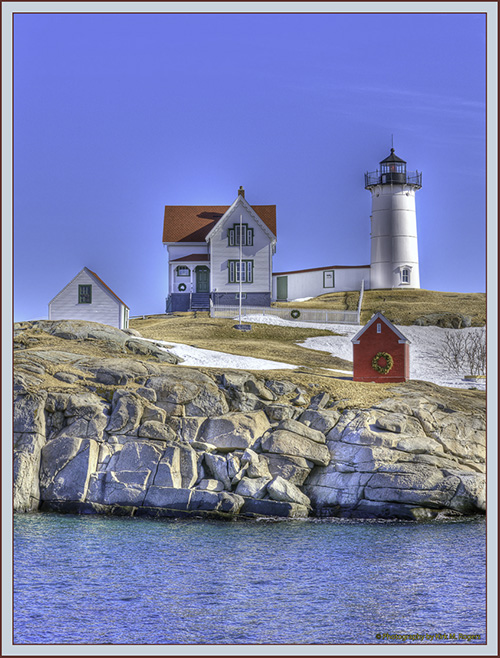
(200,301)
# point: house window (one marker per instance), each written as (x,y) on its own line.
(233,236)
(329,279)
(182,270)
(246,271)
(379,328)
(405,275)
(85,294)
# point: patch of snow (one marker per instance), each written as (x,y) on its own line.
(277,321)
(195,356)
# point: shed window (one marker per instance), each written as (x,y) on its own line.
(379,328)
(85,294)
(329,279)
(182,270)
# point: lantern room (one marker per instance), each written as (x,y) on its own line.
(393,170)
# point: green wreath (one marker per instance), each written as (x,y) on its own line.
(389,362)
(295,314)
(182,286)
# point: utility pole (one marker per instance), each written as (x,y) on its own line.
(241,261)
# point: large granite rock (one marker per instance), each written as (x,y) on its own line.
(65,469)
(302,429)
(293,469)
(127,412)
(234,431)
(321,420)
(252,487)
(255,508)
(281,489)
(283,442)
(125,488)
(446,320)
(189,393)
(27,455)
(145,348)
(217,467)
(29,413)
(400,458)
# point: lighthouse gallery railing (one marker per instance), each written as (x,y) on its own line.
(378,178)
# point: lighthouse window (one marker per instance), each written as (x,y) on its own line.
(405,276)
(393,168)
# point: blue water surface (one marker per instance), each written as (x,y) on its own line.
(91,579)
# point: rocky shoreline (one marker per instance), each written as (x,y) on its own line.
(133,433)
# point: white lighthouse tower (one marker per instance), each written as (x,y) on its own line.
(394,250)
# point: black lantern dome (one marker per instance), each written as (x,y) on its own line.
(393,169)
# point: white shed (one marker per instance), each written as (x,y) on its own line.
(319,281)
(87,297)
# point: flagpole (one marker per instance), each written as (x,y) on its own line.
(241,260)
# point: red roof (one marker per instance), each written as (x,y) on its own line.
(107,287)
(194,223)
(191,258)
(318,269)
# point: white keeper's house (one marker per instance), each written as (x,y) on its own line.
(213,250)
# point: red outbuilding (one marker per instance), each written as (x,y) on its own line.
(381,353)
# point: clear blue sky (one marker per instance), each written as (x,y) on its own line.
(116,116)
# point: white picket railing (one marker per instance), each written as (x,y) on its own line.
(306,314)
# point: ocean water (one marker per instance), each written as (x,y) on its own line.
(102,580)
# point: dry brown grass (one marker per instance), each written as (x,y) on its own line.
(405,306)
(271,342)
(401,306)
(335,301)
(275,342)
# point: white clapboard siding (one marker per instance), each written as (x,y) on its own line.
(312,283)
(105,308)
(181,250)
(260,253)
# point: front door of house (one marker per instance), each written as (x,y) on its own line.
(282,288)
(202,279)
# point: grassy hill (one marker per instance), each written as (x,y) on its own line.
(264,341)
(402,306)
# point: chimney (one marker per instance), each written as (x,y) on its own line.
(241,191)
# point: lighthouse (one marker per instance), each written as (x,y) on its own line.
(394,250)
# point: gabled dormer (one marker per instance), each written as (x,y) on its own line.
(239,214)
